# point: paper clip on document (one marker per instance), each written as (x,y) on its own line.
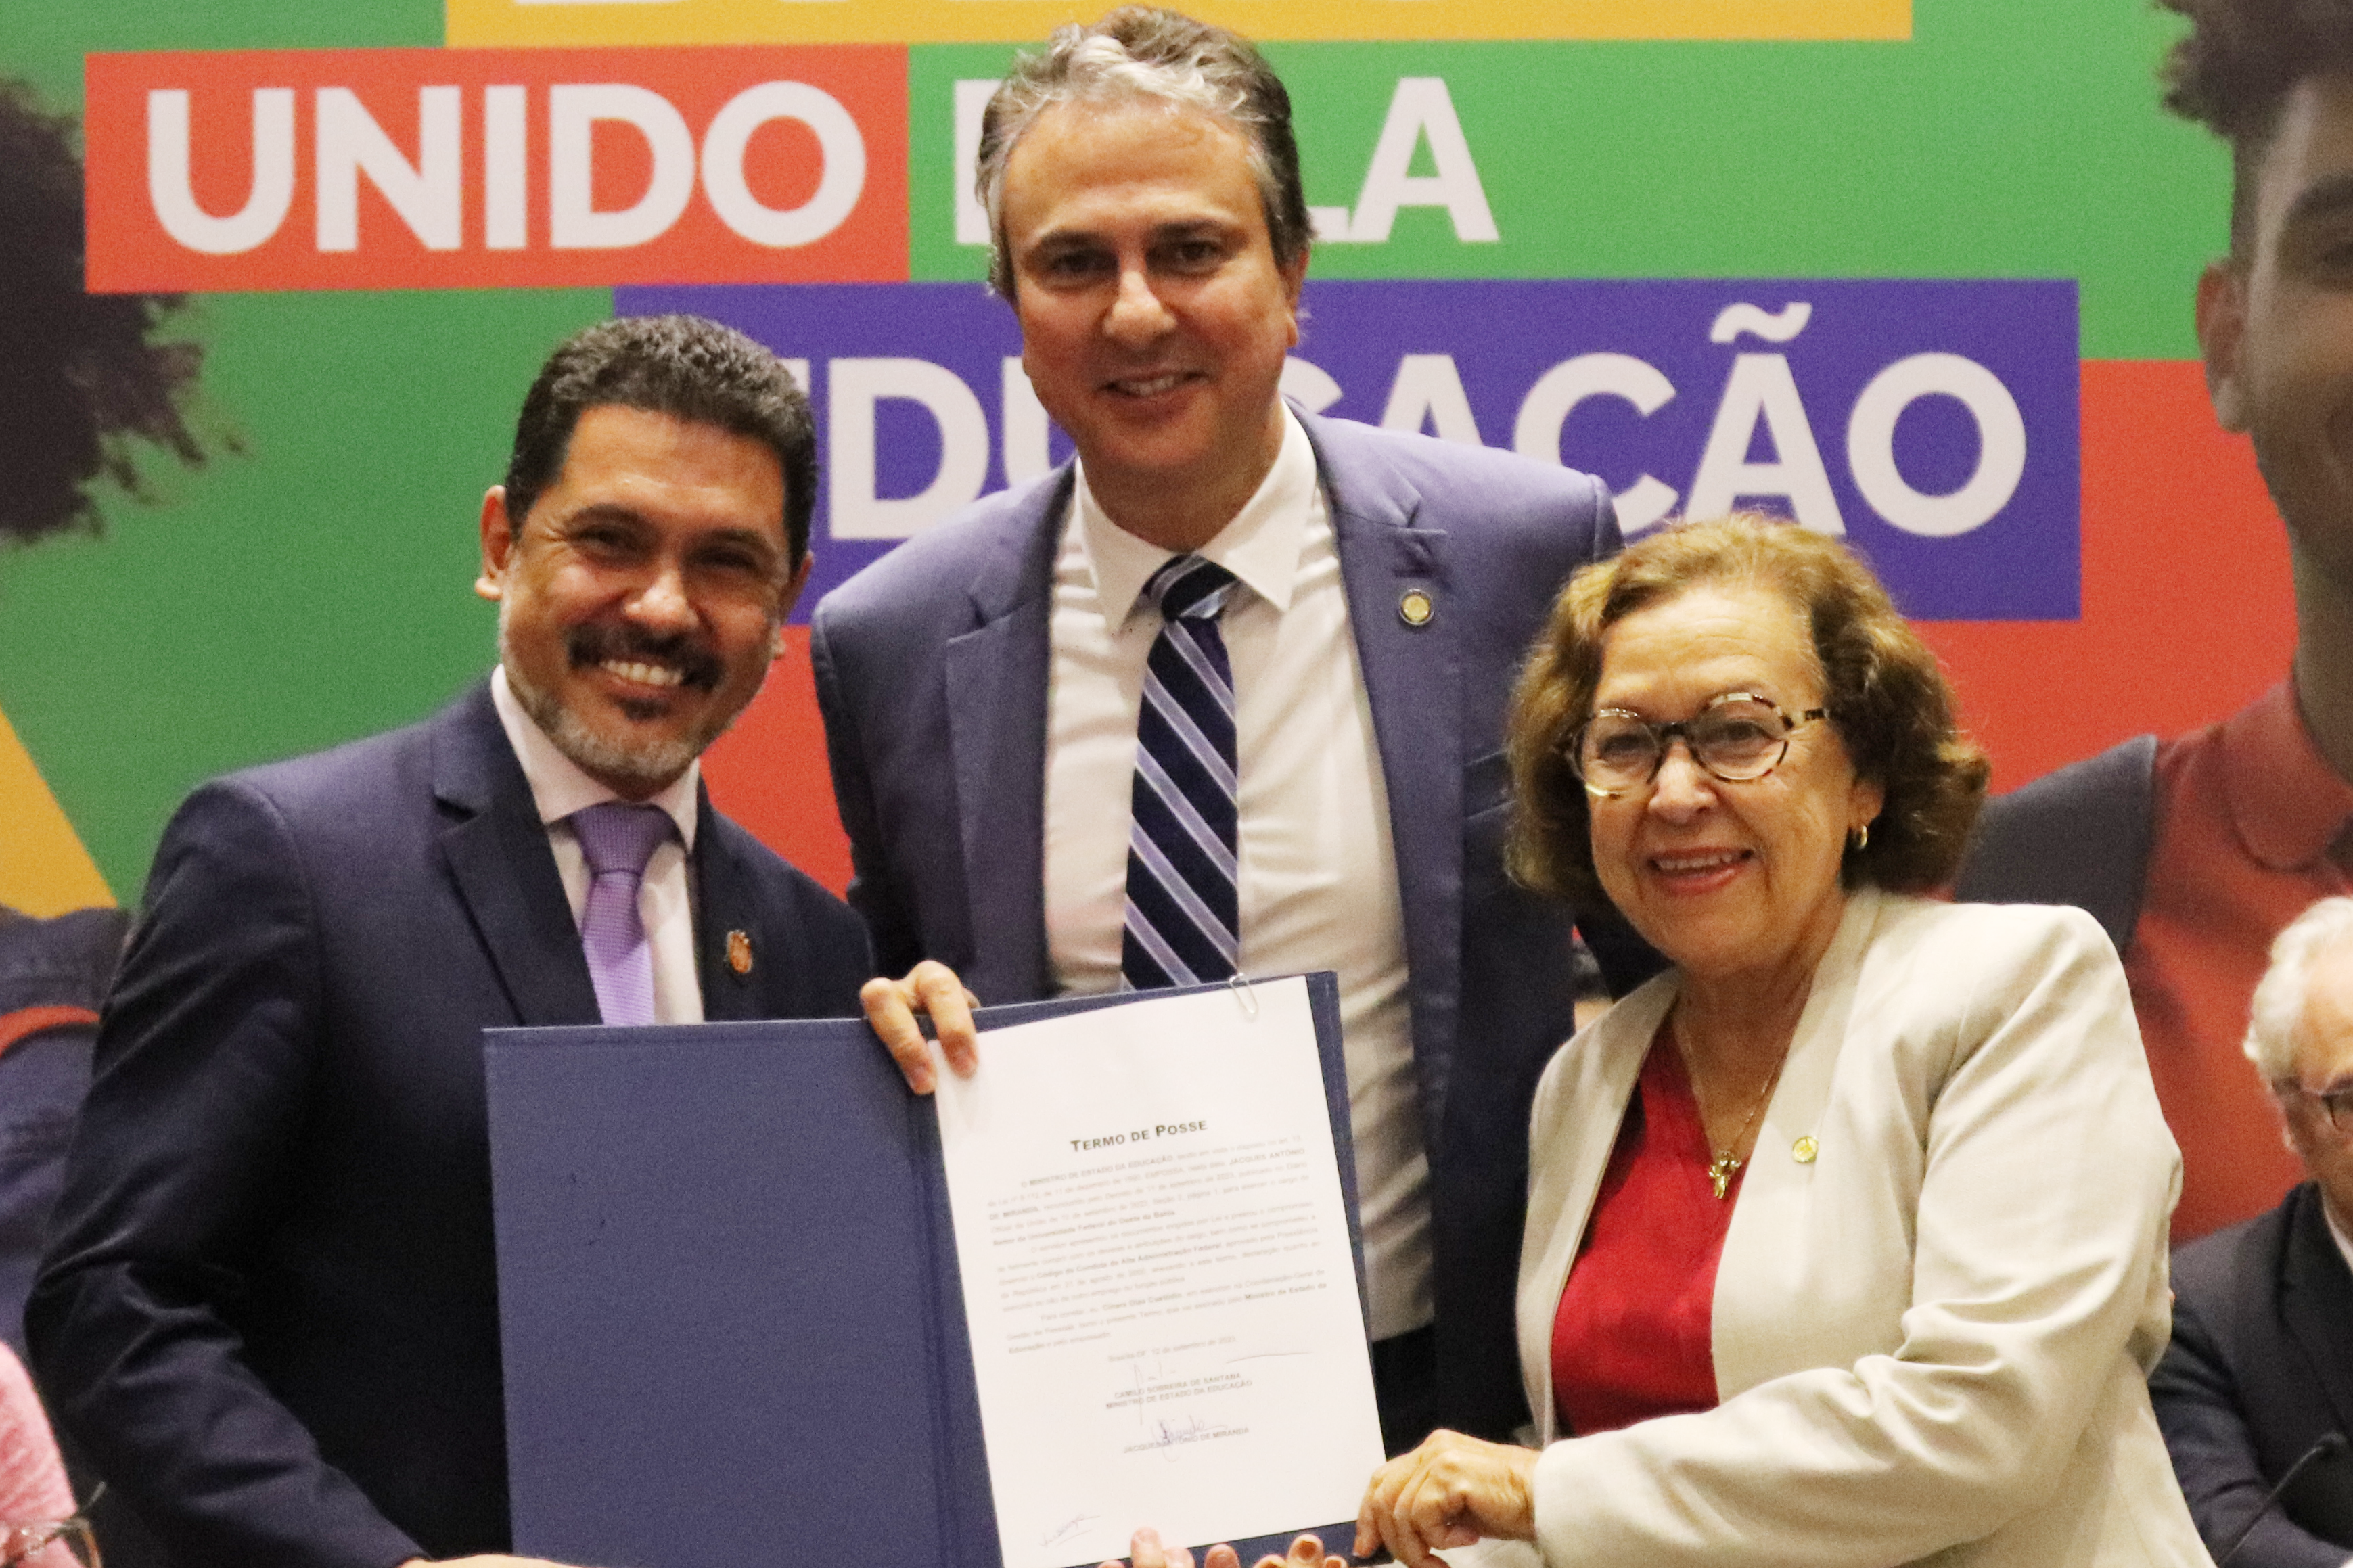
(1239,985)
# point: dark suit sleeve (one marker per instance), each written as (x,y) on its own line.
(2197,1406)
(840,961)
(202,1071)
(897,946)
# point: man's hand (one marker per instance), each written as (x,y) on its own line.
(930,987)
(1144,1550)
(1449,1492)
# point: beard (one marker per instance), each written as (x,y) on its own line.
(637,764)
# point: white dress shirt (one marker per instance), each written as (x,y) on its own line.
(1318,884)
(665,899)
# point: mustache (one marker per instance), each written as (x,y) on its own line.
(595,644)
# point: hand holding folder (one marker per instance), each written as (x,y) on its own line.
(733,1312)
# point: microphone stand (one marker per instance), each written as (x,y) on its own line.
(2331,1443)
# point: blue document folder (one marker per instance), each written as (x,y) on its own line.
(728,1296)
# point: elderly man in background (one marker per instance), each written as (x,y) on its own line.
(269,1313)
(2259,1376)
(1225,694)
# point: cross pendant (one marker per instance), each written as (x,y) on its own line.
(1721,1170)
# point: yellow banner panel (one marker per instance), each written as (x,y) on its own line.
(43,869)
(594,22)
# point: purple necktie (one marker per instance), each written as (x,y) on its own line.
(617,839)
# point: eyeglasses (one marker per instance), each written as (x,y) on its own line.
(51,1543)
(2337,1104)
(1738,737)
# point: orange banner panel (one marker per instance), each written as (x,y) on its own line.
(521,168)
(769,772)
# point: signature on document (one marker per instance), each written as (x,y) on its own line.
(1055,1537)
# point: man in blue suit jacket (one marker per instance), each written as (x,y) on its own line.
(269,1315)
(1152,236)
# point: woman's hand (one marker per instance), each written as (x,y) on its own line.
(1144,1550)
(1449,1492)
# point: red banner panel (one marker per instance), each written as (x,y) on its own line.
(496,168)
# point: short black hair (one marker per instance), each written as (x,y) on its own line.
(686,367)
(81,382)
(2236,67)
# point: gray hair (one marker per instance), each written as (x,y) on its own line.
(1142,55)
(2276,1017)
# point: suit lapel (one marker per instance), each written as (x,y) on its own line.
(996,680)
(1392,559)
(2316,1303)
(725,912)
(497,852)
(1604,1065)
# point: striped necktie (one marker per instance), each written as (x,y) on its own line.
(617,839)
(1183,922)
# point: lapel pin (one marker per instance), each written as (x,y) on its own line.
(1804,1150)
(1414,607)
(739,951)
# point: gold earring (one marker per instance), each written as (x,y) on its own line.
(1862,837)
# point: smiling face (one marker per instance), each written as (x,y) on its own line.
(639,601)
(2277,324)
(1735,882)
(1155,320)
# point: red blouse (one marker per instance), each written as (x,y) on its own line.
(1631,1338)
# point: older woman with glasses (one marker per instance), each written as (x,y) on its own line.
(1846,1240)
(1847,1236)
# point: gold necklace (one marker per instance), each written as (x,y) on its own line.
(1726,1165)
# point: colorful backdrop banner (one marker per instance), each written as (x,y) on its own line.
(1934,424)
(1533,218)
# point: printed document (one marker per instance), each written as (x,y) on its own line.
(1157,1275)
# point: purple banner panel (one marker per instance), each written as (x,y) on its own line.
(1934,424)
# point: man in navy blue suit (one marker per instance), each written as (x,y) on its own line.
(269,1313)
(1372,593)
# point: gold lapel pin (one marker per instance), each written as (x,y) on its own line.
(1414,607)
(739,951)
(1804,1150)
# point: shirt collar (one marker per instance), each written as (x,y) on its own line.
(559,787)
(1260,546)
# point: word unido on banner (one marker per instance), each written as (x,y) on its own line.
(434,168)
(1935,424)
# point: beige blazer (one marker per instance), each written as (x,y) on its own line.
(1943,1286)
